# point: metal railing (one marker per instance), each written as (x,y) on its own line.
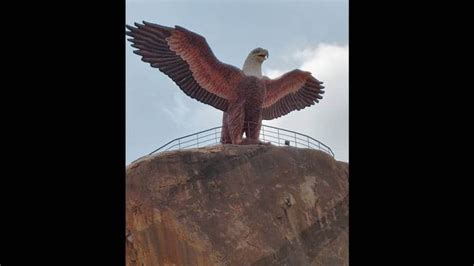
(274,135)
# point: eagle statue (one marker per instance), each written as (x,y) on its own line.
(245,96)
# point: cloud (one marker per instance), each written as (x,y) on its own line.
(327,121)
(273,73)
(178,111)
(187,113)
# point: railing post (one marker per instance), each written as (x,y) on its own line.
(179,143)
(308,141)
(278,134)
(215,134)
(296,144)
(197,140)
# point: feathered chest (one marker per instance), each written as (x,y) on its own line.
(251,90)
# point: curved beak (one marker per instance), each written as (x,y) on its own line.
(263,55)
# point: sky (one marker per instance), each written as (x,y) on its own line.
(309,35)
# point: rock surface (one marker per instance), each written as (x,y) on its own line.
(237,205)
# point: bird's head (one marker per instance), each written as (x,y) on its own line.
(259,54)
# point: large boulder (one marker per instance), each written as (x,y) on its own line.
(237,205)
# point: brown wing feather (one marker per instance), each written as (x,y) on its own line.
(188,60)
(294,90)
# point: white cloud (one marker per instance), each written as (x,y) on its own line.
(273,73)
(178,111)
(327,121)
(188,113)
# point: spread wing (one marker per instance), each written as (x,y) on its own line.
(188,60)
(294,90)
